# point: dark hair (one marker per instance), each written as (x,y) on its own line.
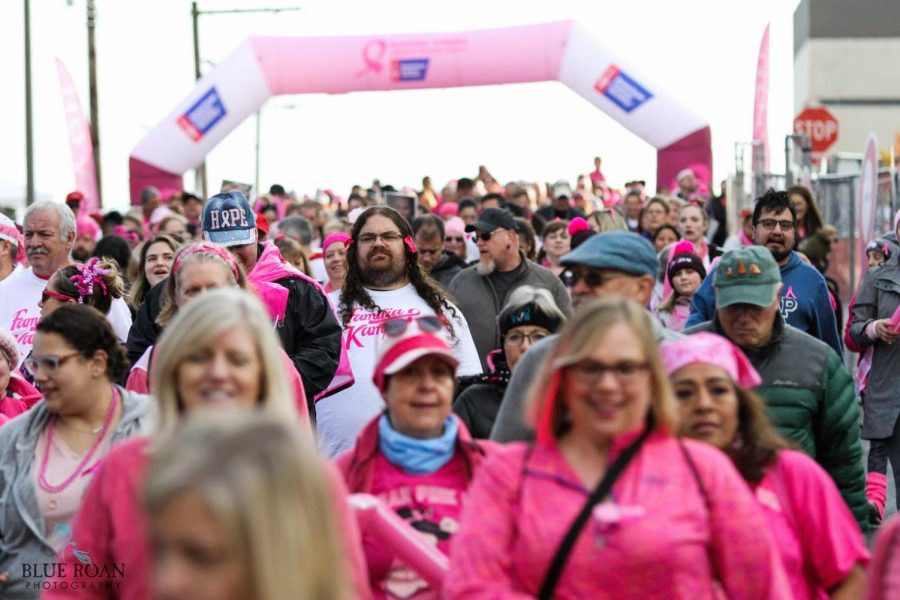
(87,331)
(142,286)
(113,218)
(429,225)
(114,247)
(115,287)
(525,229)
(464,182)
(500,199)
(812,221)
(353,291)
(666,226)
(631,193)
(467,202)
(775,202)
(758,443)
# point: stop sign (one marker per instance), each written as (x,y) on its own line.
(819,126)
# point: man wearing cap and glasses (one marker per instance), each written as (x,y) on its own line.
(808,392)
(561,208)
(482,289)
(615,262)
(384,283)
(805,300)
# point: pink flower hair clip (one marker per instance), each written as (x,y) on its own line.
(89,275)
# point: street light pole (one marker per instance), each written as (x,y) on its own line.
(199,172)
(95,110)
(29,145)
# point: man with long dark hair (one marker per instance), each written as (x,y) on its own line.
(384,282)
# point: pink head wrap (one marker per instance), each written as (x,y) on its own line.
(10,233)
(710,349)
(454,225)
(447,209)
(338,236)
(210,248)
(86,226)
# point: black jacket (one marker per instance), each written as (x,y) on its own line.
(310,334)
(447,268)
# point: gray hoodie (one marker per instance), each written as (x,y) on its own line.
(23,543)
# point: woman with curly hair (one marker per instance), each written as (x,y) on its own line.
(384,281)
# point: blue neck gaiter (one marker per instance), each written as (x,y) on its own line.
(415,456)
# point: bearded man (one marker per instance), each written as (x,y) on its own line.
(384,282)
(482,289)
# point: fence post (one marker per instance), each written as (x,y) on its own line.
(853,282)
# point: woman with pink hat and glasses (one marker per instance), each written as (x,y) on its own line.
(820,543)
(607,502)
(417,457)
(334,254)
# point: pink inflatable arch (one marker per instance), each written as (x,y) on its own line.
(563,51)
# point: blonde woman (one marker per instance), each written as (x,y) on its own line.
(219,350)
(608,503)
(240,507)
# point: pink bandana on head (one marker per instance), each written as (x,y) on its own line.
(210,248)
(710,349)
(338,236)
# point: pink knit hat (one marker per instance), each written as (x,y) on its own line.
(406,341)
(710,349)
(454,225)
(86,226)
(338,236)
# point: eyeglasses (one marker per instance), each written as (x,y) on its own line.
(517,338)
(47,294)
(591,278)
(771,223)
(387,237)
(590,372)
(458,240)
(428,324)
(485,236)
(50,364)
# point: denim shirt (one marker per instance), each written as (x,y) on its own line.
(22,531)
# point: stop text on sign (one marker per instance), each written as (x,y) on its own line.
(819,126)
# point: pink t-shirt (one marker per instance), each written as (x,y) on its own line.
(431,504)
(817,537)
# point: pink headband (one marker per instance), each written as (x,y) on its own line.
(336,237)
(210,248)
(710,349)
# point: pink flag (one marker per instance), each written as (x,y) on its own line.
(867,202)
(761,101)
(80,140)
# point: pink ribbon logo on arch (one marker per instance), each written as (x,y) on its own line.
(372,55)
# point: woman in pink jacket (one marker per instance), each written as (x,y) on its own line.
(821,546)
(607,503)
(16,394)
(219,350)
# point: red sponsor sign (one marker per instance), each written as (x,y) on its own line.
(819,126)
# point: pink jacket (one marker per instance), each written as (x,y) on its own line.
(884,571)
(655,538)
(271,267)
(21,396)
(111,528)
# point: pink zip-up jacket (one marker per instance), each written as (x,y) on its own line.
(111,528)
(654,537)
(20,397)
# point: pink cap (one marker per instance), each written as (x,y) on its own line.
(447,209)
(710,349)
(454,225)
(86,226)
(397,353)
(11,233)
(338,236)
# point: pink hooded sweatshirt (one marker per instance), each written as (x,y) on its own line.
(111,528)
(20,396)
(654,537)
(271,267)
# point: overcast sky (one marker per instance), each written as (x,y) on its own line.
(702,52)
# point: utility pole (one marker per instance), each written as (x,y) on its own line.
(200,172)
(29,145)
(95,111)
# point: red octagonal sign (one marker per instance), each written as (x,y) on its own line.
(819,126)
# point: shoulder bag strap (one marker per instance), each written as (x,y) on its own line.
(551,579)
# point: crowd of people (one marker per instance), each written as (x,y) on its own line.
(545,391)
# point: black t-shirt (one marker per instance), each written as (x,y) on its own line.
(502,281)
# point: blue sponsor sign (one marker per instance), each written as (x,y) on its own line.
(203,115)
(622,90)
(409,69)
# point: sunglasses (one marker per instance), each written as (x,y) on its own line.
(592,279)
(397,327)
(458,240)
(47,294)
(485,236)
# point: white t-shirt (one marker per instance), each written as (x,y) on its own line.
(19,311)
(341,417)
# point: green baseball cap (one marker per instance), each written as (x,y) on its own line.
(746,276)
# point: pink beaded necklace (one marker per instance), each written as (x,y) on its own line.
(42,478)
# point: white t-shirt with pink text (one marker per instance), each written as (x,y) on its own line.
(20,294)
(340,418)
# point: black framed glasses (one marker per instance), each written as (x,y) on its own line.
(397,327)
(592,279)
(771,223)
(590,371)
(387,237)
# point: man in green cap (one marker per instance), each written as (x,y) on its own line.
(808,391)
